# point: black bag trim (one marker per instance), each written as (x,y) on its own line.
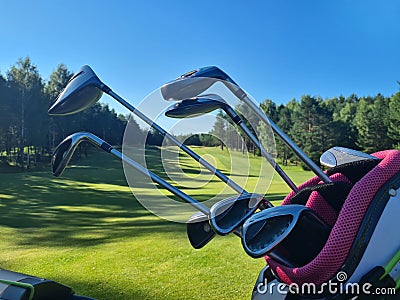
(355,170)
(335,193)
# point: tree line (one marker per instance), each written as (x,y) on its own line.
(368,124)
(28,134)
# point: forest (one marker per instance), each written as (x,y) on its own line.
(369,123)
(28,134)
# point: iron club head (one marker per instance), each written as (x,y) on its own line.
(199,231)
(228,214)
(292,234)
(64,151)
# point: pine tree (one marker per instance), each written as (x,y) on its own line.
(24,78)
(372,123)
(219,129)
(394,119)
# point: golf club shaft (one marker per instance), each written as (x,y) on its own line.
(238,120)
(243,96)
(177,192)
(270,159)
(191,153)
(95,140)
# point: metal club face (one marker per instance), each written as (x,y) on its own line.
(193,83)
(266,229)
(339,155)
(199,231)
(64,151)
(83,89)
(228,214)
(291,234)
(195,106)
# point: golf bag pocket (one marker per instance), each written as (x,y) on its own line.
(363,207)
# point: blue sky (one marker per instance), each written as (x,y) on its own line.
(273,49)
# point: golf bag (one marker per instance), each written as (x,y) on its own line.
(17,286)
(360,256)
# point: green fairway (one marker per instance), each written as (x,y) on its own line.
(86,230)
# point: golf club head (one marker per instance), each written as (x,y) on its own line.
(64,151)
(82,90)
(228,214)
(292,234)
(194,107)
(193,83)
(199,230)
(339,155)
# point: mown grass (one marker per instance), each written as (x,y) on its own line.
(87,231)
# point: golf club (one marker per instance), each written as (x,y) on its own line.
(197,81)
(291,234)
(199,231)
(201,228)
(67,147)
(207,103)
(85,88)
(228,214)
(339,155)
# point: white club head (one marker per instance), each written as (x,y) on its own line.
(339,155)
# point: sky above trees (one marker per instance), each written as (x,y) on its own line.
(278,50)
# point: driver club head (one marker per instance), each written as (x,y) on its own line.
(64,151)
(194,107)
(228,214)
(291,234)
(193,83)
(83,89)
(199,231)
(339,155)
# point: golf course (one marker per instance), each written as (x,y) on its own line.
(86,230)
